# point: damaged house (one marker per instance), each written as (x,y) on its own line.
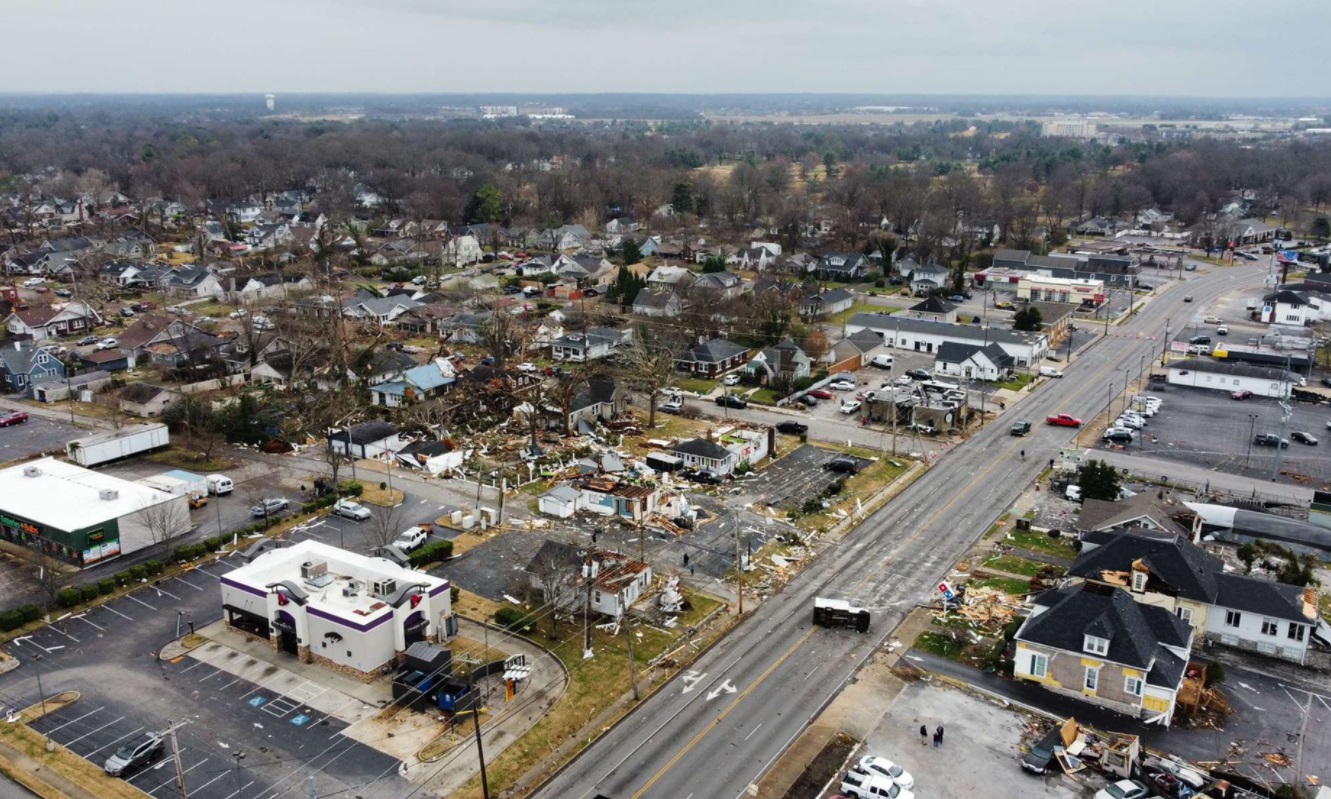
(568,576)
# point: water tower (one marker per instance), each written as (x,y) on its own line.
(270,100)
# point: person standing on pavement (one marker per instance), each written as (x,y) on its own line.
(938,736)
(924,735)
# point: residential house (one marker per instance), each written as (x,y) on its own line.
(40,322)
(416,384)
(989,363)
(657,302)
(1144,511)
(595,344)
(1167,570)
(380,310)
(565,237)
(927,279)
(857,350)
(31,263)
(727,452)
(713,357)
(424,318)
(1231,376)
(826,303)
(120,273)
(562,571)
(462,250)
(935,309)
(782,363)
(1096,226)
(670,277)
(1251,231)
(756,259)
(135,245)
(270,285)
(383,365)
(465,328)
(105,361)
(845,267)
(1098,645)
(1290,307)
(562,501)
(716,286)
(632,502)
(801,263)
(366,440)
(193,281)
(22,364)
(269,236)
(621,225)
(600,399)
(146,400)
(921,335)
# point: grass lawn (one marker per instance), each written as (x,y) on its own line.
(66,764)
(182,458)
(1014,565)
(862,487)
(383,497)
(697,385)
(1017,383)
(1040,542)
(593,685)
(1007,585)
(845,316)
(764,396)
(938,644)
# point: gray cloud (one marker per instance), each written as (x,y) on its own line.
(1202,47)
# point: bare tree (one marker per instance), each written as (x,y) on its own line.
(504,336)
(649,361)
(164,522)
(50,577)
(556,582)
(384,525)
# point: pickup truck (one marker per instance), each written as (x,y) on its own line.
(859,785)
(1021,428)
(1063,420)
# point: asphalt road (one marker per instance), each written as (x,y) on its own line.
(714,730)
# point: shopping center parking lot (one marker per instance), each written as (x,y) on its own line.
(36,436)
(1209,429)
(108,654)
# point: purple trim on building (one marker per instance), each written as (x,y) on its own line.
(243,587)
(341,622)
(439,589)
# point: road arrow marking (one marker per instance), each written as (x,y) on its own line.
(724,687)
(691,680)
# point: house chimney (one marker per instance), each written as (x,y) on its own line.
(1139,574)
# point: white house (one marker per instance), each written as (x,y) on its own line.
(1262,381)
(461,250)
(596,343)
(562,501)
(339,609)
(567,575)
(972,361)
(927,336)
(1287,307)
(367,440)
(382,310)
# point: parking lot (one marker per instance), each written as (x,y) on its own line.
(35,436)
(109,655)
(786,483)
(1209,429)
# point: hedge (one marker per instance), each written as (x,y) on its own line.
(17,617)
(69,597)
(513,619)
(439,550)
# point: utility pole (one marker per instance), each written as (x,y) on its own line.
(587,609)
(894,418)
(633,666)
(739,565)
(480,747)
(239,756)
(175,754)
(1285,412)
(1164,347)
(37,661)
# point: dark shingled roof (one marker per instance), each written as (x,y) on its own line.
(1136,632)
(1277,600)
(702,448)
(1177,566)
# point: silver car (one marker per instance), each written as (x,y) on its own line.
(134,755)
(268,506)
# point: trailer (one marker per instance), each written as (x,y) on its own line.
(102,448)
(178,482)
(839,613)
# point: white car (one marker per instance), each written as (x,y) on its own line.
(239,313)
(841,385)
(850,406)
(904,380)
(411,539)
(1073,493)
(872,764)
(34,281)
(730,380)
(263,323)
(1199,349)
(348,509)
(107,344)
(526,366)
(1128,420)
(1049,371)
(1123,789)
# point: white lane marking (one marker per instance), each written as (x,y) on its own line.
(751,732)
(118,613)
(71,721)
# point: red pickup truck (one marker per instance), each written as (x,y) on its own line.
(1063,420)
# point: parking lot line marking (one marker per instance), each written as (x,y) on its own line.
(140,601)
(70,744)
(199,789)
(172,778)
(94,712)
(187,582)
(196,664)
(118,613)
(113,743)
(160,590)
(62,632)
(233,794)
(81,617)
(228,685)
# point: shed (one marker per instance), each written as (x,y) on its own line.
(561,501)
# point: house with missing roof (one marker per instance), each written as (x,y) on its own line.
(1166,570)
(1095,643)
(568,576)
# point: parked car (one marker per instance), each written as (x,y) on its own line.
(128,313)
(64,293)
(1270,440)
(268,506)
(730,380)
(527,366)
(139,752)
(1130,422)
(411,539)
(1123,789)
(1212,320)
(1304,438)
(843,464)
(792,428)
(1200,340)
(705,476)
(872,764)
(731,401)
(34,281)
(821,393)
(1326,381)
(904,380)
(1198,349)
(858,785)
(1073,493)
(671,406)
(591,293)
(1222,330)
(1241,394)
(238,313)
(11,418)
(1188,297)
(1021,428)
(808,400)
(86,340)
(1049,371)
(107,344)
(842,385)
(851,405)
(1118,435)
(1037,760)
(957,298)
(1063,420)
(919,374)
(349,509)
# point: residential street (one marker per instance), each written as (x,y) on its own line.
(714,730)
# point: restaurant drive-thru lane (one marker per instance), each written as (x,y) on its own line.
(695,738)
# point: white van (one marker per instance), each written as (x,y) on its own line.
(882,361)
(1049,371)
(219,484)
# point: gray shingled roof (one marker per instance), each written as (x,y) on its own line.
(888,322)
(702,448)
(1177,566)
(1135,639)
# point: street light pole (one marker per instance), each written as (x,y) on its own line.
(1252,424)
(239,756)
(37,659)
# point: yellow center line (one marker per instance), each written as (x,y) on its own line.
(703,732)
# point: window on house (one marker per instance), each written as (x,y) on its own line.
(596,596)
(1092,678)
(1133,686)
(1139,581)
(1269,626)
(1039,665)
(1184,613)
(1295,631)
(1233,618)
(1096,646)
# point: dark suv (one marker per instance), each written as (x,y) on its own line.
(731,401)
(1041,755)
(1270,440)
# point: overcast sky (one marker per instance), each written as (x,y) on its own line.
(1159,47)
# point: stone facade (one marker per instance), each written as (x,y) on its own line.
(1066,674)
(355,674)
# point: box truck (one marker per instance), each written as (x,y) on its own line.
(102,448)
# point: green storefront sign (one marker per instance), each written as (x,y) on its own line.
(80,547)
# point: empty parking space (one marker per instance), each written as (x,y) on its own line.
(789,481)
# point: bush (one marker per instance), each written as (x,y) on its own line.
(879,283)
(453,593)
(154,567)
(10,620)
(30,613)
(89,592)
(309,507)
(137,573)
(107,586)
(351,488)
(513,619)
(812,505)
(122,579)
(439,550)
(69,597)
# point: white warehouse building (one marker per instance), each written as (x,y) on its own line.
(1262,381)
(925,335)
(349,612)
